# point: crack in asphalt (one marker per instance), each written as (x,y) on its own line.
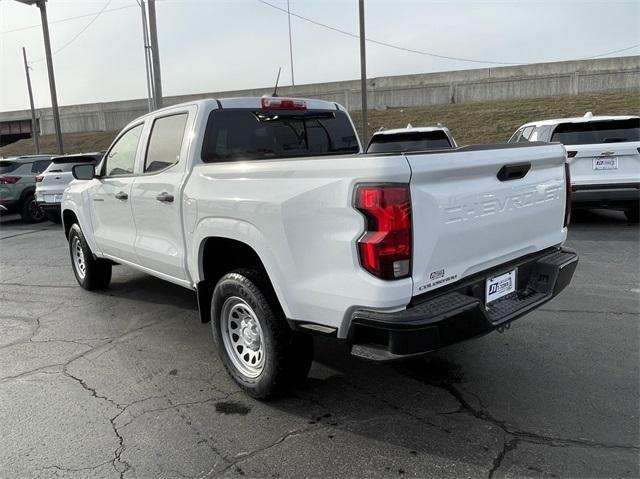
(25,233)
(32,285)
(507,447)
(526,436)
(280,440)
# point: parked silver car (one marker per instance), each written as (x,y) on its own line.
(52,182)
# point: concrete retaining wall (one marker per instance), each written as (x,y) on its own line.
(485,84)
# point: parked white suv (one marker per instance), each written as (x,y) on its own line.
(400,140)
(604,156)
(52,182)
(267,208)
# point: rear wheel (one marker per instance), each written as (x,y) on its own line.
(257,347)
(91,273)
(633,214)
(31,212)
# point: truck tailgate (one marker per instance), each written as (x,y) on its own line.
(478,207)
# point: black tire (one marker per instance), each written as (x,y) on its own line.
(633,214)
(54,217)
(287,354)
(30,211)
(97,272)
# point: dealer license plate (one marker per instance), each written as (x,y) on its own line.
(605,163)
(500,286)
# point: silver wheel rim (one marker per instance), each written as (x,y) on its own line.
(242,337)
(77,253)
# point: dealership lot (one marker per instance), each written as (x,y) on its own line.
(125,382)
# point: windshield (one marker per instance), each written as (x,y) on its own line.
(252,135)
(413,141)
(608,131)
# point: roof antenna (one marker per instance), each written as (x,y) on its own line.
(275,89)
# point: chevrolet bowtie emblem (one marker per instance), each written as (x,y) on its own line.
(607,153)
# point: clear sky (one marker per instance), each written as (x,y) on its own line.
(216,45)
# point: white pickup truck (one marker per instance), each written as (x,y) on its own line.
(268,209)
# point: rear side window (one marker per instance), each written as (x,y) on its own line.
(165,142)
(7,167)
(17,168)
(233,135)
(414,141)
(39,166)
(592,132)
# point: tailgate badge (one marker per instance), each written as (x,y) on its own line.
(607,153)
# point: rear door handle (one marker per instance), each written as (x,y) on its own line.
(513,172)
(165,197)
(121,195)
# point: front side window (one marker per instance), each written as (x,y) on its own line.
(233,135)
(593,132)
(165,142)
(122,156)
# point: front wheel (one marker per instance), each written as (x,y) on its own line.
(90,272)
(257,347)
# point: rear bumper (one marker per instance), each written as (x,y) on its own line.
(458,312)
(8,206)
(618,194)
(50,207)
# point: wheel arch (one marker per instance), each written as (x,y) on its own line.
(219,255)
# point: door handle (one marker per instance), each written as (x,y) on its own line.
(121,195)
(165,197)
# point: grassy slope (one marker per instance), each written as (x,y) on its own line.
(487,122)
(494,122)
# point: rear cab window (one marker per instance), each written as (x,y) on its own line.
(594,132)
(256,134)
(409,141)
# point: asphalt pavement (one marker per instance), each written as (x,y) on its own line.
(126,383)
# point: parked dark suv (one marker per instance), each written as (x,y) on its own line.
(18,186)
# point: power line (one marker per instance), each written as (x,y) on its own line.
(79,33)
(612,52)
(420,52)
(67,19)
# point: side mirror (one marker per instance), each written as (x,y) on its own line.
(83,172)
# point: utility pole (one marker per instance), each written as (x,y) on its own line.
(290,43)
(153,36)
(147,56)
(363,76)
(34,123)
(42,5)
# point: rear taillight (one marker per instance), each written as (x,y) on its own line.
(9,180)
(283,104)
(39,178)
(385,247)
(571,154)
(567,204)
